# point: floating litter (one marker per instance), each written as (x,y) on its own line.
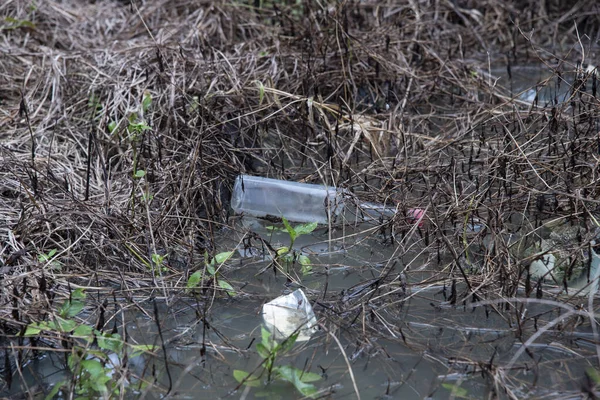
(289,314)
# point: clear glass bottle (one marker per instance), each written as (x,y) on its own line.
(301,202)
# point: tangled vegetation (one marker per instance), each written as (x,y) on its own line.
(123,125)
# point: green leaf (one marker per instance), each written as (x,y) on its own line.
(307,389)
(137,128)
(262,350)
(282,251)
(194,280)
(225,285)
(210,267)
(304,261)
(194,104)
(63,325)
(78,294)
(291,231)
(32,330)
(139,349)
(246,378)
(35,328)
(288,343)
(456,390)
(261,92)
(310,377)
(111,342)
(52,394)
(112,125)
(593,374)
(94,367)
(267,338)
(140,173)
(305,229)
(84,331)
(47,256)
(146,101)
(306,270)
(288,258)
(157,259)
(293,375)
(18,23)
(71,308)
(73,360)
(222,257)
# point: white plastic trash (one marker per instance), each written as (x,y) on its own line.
(288,314)
(550,267)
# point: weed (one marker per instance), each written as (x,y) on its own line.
(14,23)
(49,258)
(286,255)
(159,263)
(93,357)
(456,391)
(212,266)
(270,350)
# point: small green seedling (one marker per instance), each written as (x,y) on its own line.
(48,258)
(270,350)
(456,391)
(286,255)
(92,371)
(212,266)
(11,23)
(159,262)
(112,126)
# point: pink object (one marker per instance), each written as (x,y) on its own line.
(416,216)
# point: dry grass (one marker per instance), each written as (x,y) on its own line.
(391,99)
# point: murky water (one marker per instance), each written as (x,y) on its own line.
(419,345)
(406,335)
(537,83)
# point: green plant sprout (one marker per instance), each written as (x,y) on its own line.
(159,263)
(593,374)
(269,349)
(212,266)
(137,124)
(14,23)
(47,257)
(95,106)
(286,255)
(456,391)
(90,365)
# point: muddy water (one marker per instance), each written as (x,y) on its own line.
(418,346)
(408,341)
(531,83)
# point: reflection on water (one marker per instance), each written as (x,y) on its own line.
(538,83)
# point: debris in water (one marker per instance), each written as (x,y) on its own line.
(288,314)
